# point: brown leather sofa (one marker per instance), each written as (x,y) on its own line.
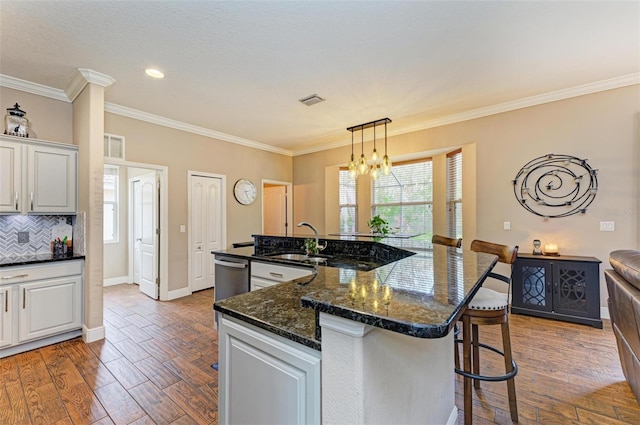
(623,284)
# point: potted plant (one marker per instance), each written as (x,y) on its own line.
(310,246)
(379,225)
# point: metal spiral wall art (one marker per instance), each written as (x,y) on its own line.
(554,186)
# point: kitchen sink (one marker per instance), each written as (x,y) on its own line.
(301,257)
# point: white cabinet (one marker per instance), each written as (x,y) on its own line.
(41,304)
(268,274)
(37,177)
(5,316)
(266,379)
(10,177)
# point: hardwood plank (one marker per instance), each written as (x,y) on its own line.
(157,404)
(122,408)
(132,351)
(126,373)
(192,402)
(14,406)
(189,373)
(157,373)
(136,334)
(81,404)
(145,420)
(104,350)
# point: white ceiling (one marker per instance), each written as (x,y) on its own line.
(240,67)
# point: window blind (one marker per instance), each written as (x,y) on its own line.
(348,202)
(454,194)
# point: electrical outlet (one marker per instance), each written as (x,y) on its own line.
(182,228)
(507,225)
(23,237)
(607,226)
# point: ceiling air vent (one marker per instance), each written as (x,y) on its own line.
(311,100)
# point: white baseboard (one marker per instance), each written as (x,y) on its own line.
(94,334)
(115,280)
(453,417)
(604,313)
(178,293)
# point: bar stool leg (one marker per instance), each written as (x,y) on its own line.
(475,339)
(508,364)
(466,360)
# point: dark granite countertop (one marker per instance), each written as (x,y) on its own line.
(23,260)
(428,292)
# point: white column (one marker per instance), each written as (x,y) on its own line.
(374,376)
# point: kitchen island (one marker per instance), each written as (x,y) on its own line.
(346,345)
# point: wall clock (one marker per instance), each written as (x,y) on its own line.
(245,191)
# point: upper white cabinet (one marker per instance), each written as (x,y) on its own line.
(10,176)
(37,177)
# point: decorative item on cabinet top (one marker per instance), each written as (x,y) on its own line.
(16,123)
(555,185)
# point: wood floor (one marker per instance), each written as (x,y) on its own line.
(155,367)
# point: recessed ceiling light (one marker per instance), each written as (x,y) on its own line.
(154,73)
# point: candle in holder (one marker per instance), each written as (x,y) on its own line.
(551,249)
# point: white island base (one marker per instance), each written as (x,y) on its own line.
(364,375)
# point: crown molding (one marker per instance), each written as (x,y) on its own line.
(84,76)
(554,96)
(179,125)
(33,88)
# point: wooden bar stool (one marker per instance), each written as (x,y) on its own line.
(455,243)
(443,240)
(488,307)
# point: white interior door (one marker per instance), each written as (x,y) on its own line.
(147,234)
(136,228)
(206,229)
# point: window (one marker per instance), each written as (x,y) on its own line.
(348,203)
(113,146)
(404,198)
(454,194)
(110,225)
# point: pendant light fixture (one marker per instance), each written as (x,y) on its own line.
(375,168)
(386,161)
(353,171)
(362,163)
(361,167)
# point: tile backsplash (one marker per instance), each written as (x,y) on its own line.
(38,227)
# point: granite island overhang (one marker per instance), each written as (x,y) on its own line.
(400,338)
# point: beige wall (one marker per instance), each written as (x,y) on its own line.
(601,127)
(181,152)
(49,119)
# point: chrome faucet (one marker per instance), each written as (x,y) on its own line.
(315,231)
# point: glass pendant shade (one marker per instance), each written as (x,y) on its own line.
(374,155)
(353,168)
(386,165)
(363,168)
(375,171)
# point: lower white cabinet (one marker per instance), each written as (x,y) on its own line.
(41,304)
(266,379)
(268,274)
(5,316)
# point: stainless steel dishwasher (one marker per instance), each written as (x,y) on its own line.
(232,278)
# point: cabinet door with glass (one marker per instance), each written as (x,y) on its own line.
(532,285)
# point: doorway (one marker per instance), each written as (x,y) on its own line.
(207,226)
(277,207)
(151,263)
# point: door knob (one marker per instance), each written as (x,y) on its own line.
(139,240)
